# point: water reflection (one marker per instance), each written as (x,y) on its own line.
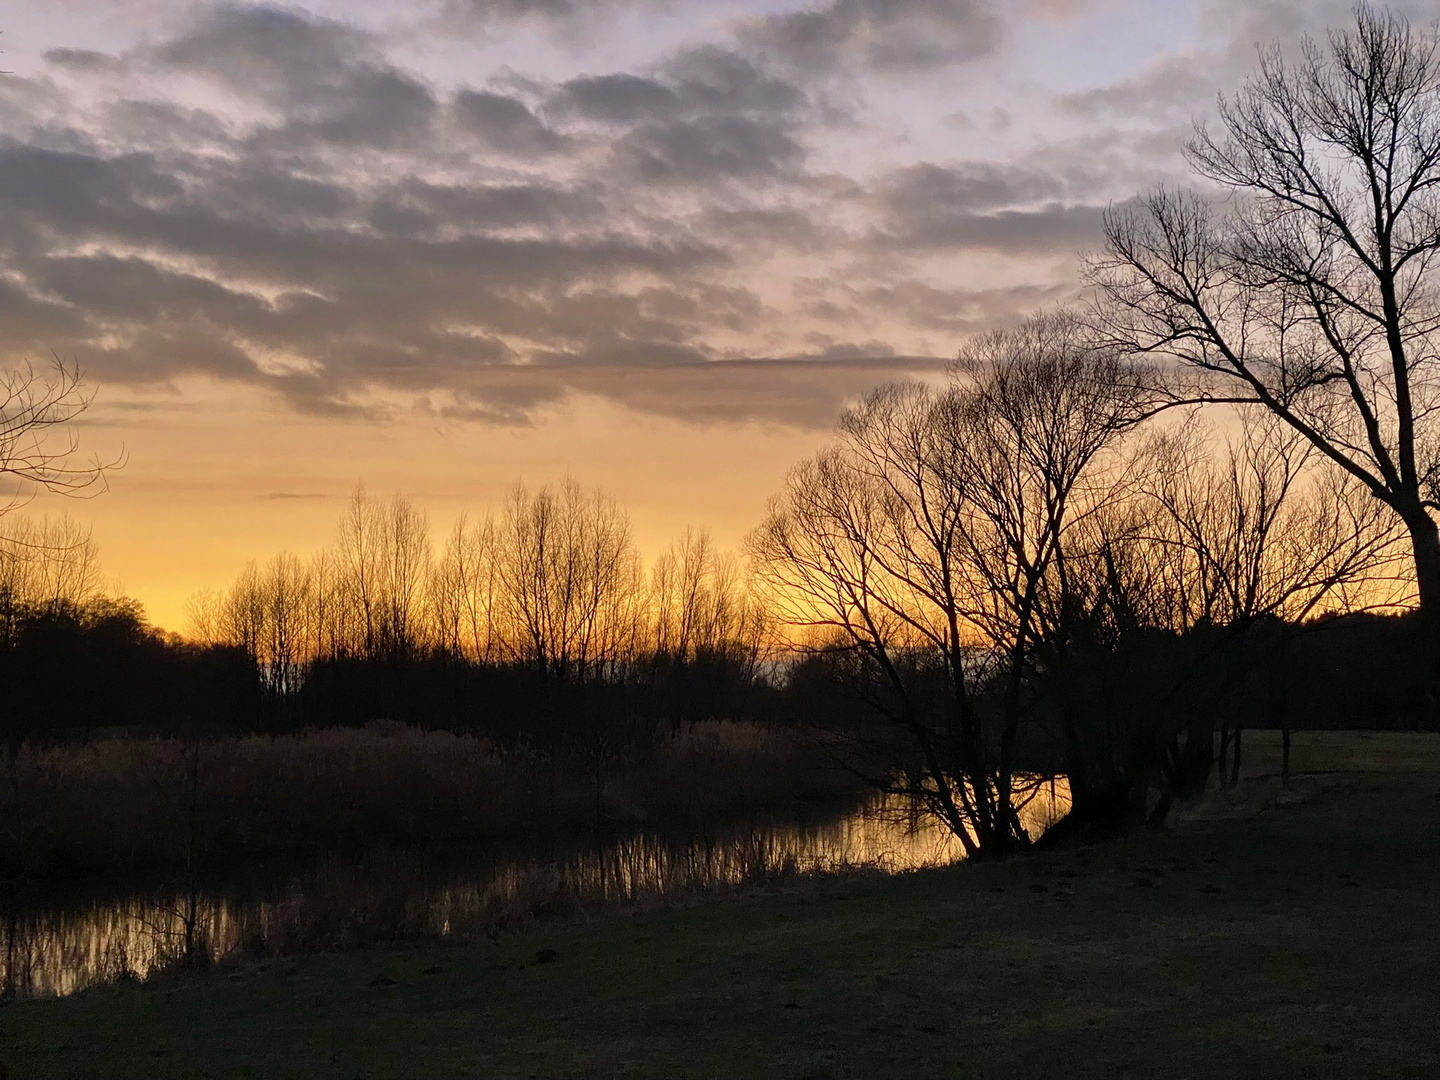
(59,947)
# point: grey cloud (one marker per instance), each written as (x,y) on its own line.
(1183,84)
(1055,229)
(958,312)
(87,61)
(791,392)
(889,36)
(376,107)
(369,309)
(617,99)
(418,208)
(705,115)
(505,124)
(512,9)
(705,81)
(275,53)
(987,206)
(714,79)
(162,123)
(764,227)
(712,148)
(1173,82)
(807,393)
(615,352)
(827,348)
(326,78)
(350,241)
(566,18)
(970,187)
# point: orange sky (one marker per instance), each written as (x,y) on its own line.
(197,496)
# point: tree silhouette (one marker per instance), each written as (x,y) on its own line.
(1312,291)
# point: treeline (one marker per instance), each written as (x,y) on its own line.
(539,619)
(540,623)
(74,658)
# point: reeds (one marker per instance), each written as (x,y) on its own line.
(120,804)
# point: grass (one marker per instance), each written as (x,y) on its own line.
(1295,938)
(123,804)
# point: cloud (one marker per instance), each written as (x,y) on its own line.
(1016,210)
(562,16)
(620,98)
(326,78)
(705,150)
(269,197)
(505,124)
(85,61)
(280,55)
(886,36)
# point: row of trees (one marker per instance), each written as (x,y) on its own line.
(552,582)
(74,656)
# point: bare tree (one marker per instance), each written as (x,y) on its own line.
(1185,597)
(38,444)
(1312,292)
(465,592)
(288,596)
(1261,528)
(931,540)
(571,578)
(700,603)
(384,560)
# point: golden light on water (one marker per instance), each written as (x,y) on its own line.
(62,949)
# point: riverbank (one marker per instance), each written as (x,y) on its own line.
(1288,936)
(118,805)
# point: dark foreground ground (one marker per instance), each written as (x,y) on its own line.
(1268,935)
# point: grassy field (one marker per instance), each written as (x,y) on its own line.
(1270,934)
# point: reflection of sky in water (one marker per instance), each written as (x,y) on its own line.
(60,949)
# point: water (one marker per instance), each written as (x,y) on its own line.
(59,945)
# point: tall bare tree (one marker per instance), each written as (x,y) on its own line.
(465,592)
(1312,292)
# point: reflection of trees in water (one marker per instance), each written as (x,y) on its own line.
(58,950)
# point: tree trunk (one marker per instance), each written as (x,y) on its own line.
(1285,757)
(1235,763)
(1425,543)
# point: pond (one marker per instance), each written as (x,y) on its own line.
(59,944)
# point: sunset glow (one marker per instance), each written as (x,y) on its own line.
(652,244)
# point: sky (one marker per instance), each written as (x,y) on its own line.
(443,246)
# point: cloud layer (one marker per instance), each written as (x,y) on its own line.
(732,228)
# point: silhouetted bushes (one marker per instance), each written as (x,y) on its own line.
(66,668)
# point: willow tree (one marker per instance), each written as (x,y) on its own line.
(1311,291)
(930,540)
